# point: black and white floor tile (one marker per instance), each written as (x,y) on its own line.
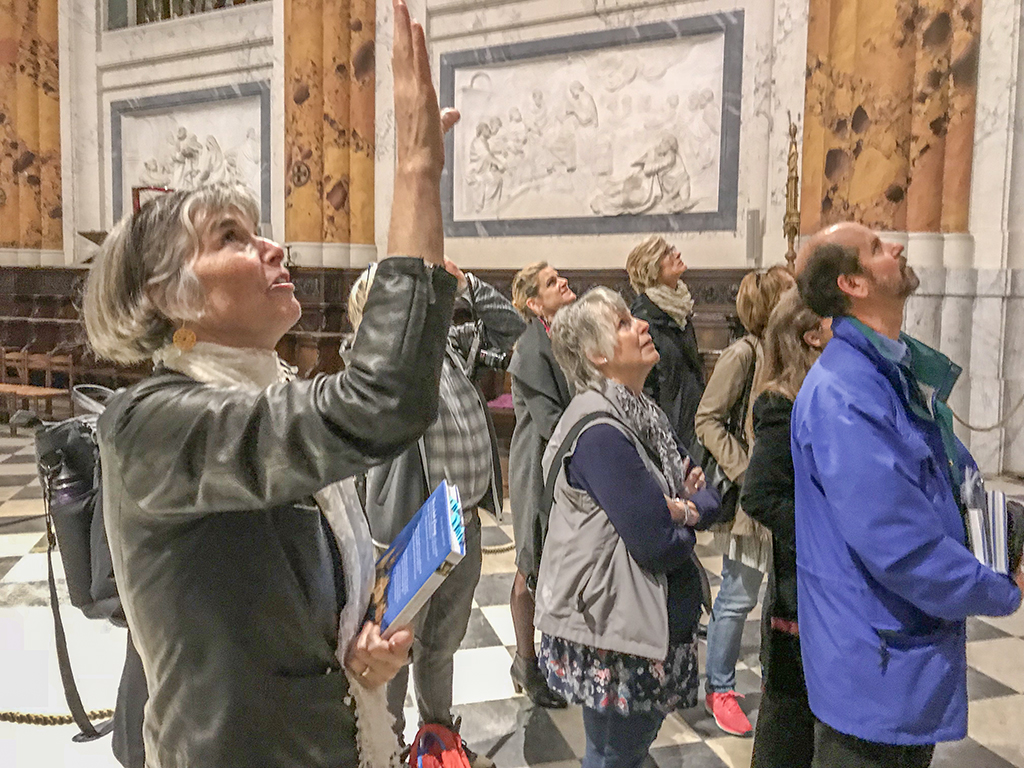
(496,721)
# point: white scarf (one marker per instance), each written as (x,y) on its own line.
(677,302)
(256,369)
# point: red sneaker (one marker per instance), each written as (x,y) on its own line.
(727,713)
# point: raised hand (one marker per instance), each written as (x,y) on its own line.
(416,227)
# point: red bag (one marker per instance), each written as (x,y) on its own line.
(437,747)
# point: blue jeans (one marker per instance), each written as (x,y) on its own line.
(617,741)
(736,598)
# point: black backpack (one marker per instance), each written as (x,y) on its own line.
(68,461)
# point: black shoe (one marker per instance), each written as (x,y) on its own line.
(527,676)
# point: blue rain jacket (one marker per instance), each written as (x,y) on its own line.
(884,578)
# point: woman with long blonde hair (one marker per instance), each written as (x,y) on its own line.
(722,424)
(792,343)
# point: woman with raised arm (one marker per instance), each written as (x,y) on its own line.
(539,395)
(240,550)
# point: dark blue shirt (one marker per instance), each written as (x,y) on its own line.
(607,466)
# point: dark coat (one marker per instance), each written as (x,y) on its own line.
(229,577)
(396,489)
(540,394)
(767,496)
(676,383)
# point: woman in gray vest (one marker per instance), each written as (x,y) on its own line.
(620,589)
(539,395)
(241,553)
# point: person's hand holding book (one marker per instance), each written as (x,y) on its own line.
(372,660)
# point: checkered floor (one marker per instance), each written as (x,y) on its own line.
(496,721)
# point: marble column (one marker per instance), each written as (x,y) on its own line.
(929,110)
(891,95)
(860,65)
(889,115)
(329,128)
(30,184)
(963,96)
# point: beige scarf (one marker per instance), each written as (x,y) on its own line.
(677,302)
(256,369)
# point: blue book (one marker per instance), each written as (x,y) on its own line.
(419,559)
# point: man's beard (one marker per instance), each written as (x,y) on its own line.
(901,287)
(910,283)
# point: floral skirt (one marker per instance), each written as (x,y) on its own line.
(604,680)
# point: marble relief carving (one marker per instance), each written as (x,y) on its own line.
(183,140)
(219,142)
(602,132)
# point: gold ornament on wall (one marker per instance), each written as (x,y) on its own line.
(791,221)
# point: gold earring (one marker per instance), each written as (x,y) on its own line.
(184,338)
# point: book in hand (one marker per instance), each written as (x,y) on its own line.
(419,559)
(987,524)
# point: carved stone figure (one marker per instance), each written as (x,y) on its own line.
(484,179)
(660,184)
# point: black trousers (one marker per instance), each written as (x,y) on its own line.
(833,749)
(784,735)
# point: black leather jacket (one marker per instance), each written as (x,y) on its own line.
(227,573)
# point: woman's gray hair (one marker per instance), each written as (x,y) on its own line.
(586,327)
(142,285)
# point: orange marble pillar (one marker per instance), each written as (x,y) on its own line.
(857,94)
(929,115)
(812,186)
(30,184)
(329,120)
(10,38)
(963,93)
(303,120)
(887,135)
(50,193)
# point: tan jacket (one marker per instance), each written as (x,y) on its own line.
(724,388)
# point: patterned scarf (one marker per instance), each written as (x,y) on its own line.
(677,302)
(641,414)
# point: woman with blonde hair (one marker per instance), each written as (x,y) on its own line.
(676,383)
(540,393)
(793,342)
(723,426)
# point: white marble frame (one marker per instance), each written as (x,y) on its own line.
(722,219)
(170,101)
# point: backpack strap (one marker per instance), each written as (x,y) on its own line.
(549,490)
(89,732)
(92,399)
(570,437)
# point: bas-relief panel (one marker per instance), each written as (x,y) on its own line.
(191,147)
(595,135)
(627,130)
(184,140)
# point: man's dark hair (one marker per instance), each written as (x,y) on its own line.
(818,282)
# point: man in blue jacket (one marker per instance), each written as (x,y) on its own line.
(885,579)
